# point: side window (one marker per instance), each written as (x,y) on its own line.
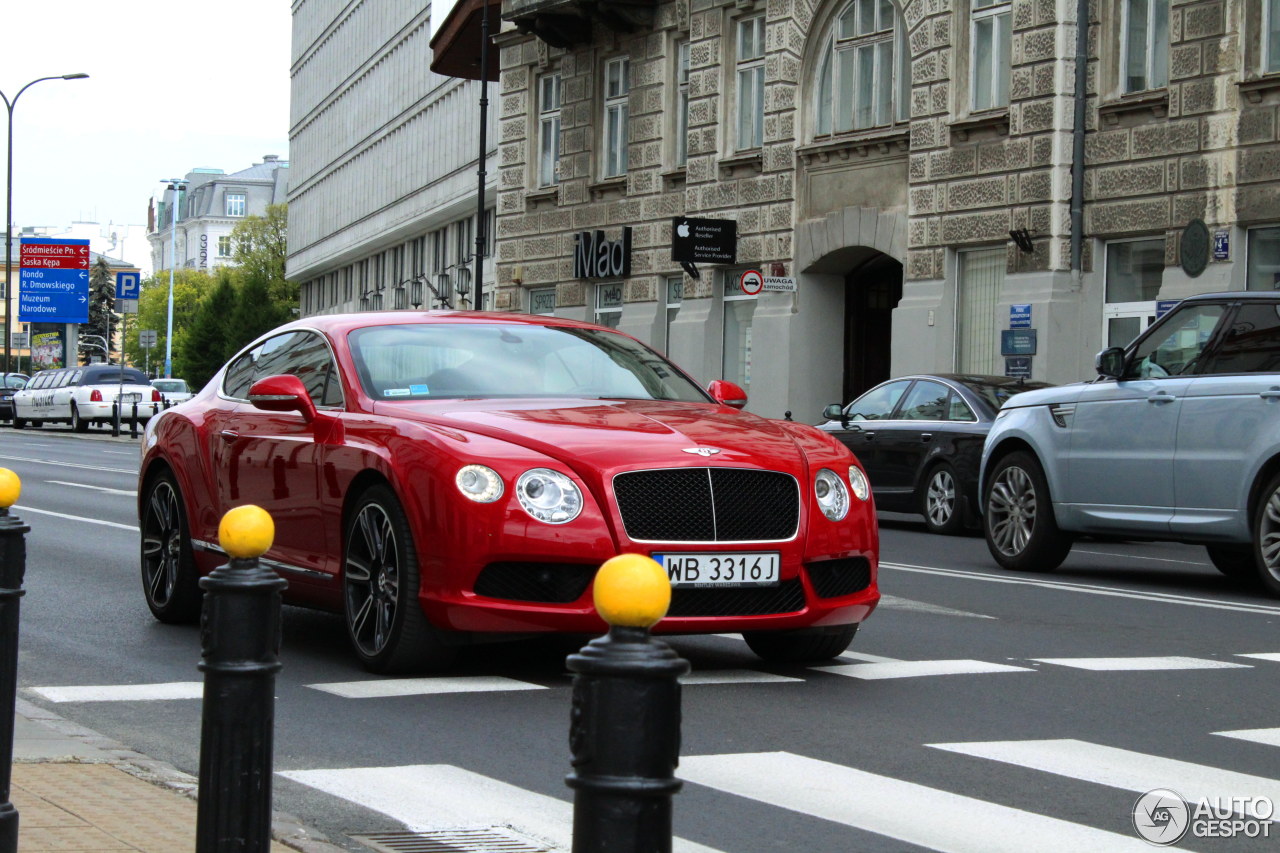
(240,374)
(68,377)
(927,401)
(1252,344)
(75,377)
(304,355)
(958,409)
(1175,347)
(878,403)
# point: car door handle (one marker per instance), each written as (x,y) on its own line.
(926,436)
(869,435)
(1161,398)
(229,435)
(1273,394)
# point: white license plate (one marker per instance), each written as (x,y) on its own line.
(686,570)
(133,397)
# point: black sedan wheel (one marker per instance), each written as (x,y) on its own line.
(1021,531)
(941,501)
(170,580)
(1266,537)
(380,589)
(78,423)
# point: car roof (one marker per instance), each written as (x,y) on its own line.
(1228,295)
(338,325)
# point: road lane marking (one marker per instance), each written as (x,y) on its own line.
(428,797)
(1205,563)
(911,813)
(918,668)
(1269,737)
(893,602)
(1090,589)
(734,676)
(104,489)
(1142,663)
(22,509)
(379,689)
(133,471)
(1120,768)
(123,692)
(1271,656)
(866,658)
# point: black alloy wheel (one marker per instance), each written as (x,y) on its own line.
(170,580)
(385,622)
(940,503)
(1022,533)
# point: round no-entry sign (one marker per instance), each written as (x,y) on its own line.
(751,282)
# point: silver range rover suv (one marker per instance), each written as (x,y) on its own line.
(1177,439)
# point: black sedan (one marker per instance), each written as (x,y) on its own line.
(920,440)
(9,383)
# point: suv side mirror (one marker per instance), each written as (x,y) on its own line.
(1110,362)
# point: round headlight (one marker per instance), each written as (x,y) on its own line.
(857,479)
(833,497)
(481,484)
(549,496)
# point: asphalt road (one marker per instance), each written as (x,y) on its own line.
(978,710)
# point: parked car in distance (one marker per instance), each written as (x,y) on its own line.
(81,396)
(441,477)
(920,440)
(1177,439)
(172,390)
(10,383)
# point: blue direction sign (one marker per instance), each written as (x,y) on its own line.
(53,296)
(127,285)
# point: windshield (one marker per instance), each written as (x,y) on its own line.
(14,381)
(435,360)
(997,393)
(170,385)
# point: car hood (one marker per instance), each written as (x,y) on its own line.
(613,434)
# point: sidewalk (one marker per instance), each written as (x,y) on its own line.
(76,790)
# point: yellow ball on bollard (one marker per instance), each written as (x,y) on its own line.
(632,590)
(10,488)
(246,531)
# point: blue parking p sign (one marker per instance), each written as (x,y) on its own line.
(127,285)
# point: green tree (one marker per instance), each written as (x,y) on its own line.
(256,312)
(260,248)
(153,314)
(102,318)
(209,339)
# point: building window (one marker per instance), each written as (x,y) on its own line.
(981,277)
(617,85)
(609,304)
(856,84)
(1263,259)
(549,130)
(989,57)
(224,247)
(235,204)
(682,103)
(675,296)
(1134,270)
(1145,48)
(542,300)
(739,313)
(1271,33)
(750,78)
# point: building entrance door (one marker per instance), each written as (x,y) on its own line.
(872,291)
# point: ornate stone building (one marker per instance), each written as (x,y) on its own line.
(914,166)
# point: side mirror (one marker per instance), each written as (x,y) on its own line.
(282,393)
(834,412)
(1110,362)
(727,394)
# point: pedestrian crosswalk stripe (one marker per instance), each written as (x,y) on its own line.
(917,668)
(866,658)
(383,688)
(893,602)
(908,812)
(122,692)
(1271,656)
(1142,663)
(439,796)
(1120,768)
(734,676)
(1270,737)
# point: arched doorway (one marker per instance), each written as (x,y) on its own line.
(872,290)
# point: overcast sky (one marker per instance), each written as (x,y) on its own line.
(172,86)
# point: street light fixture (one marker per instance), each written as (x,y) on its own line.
(8,207)
(177,185)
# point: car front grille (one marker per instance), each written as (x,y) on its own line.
(786,597)
(708,505)
(834,578)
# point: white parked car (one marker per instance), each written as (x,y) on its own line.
(173,391)
(82,395)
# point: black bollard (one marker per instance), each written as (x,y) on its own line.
(240,635)
(115,418)
(625,731)
(133,423)
(13,565)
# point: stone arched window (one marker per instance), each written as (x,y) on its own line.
(864,73)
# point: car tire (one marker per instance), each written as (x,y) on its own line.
(170,579)
(807,645)
(19,423)
(1238,562)
(1266,537)
(1021,531)
(78,423)
(380,584)
(940,501)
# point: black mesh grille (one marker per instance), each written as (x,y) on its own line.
(787,597)
(707,505)
(834,578)
(550,582)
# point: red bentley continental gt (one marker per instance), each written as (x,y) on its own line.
(443,477)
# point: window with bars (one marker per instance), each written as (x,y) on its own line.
(981,277)
(682,103)
(1144,59)
(990,31)
(859,79)
(617,88)
(549,130)
(750,83)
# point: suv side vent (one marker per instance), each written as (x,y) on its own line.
(1062,413)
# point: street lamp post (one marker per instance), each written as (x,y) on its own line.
(177,185)
(8,207)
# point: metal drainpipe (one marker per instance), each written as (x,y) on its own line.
(1077,142)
